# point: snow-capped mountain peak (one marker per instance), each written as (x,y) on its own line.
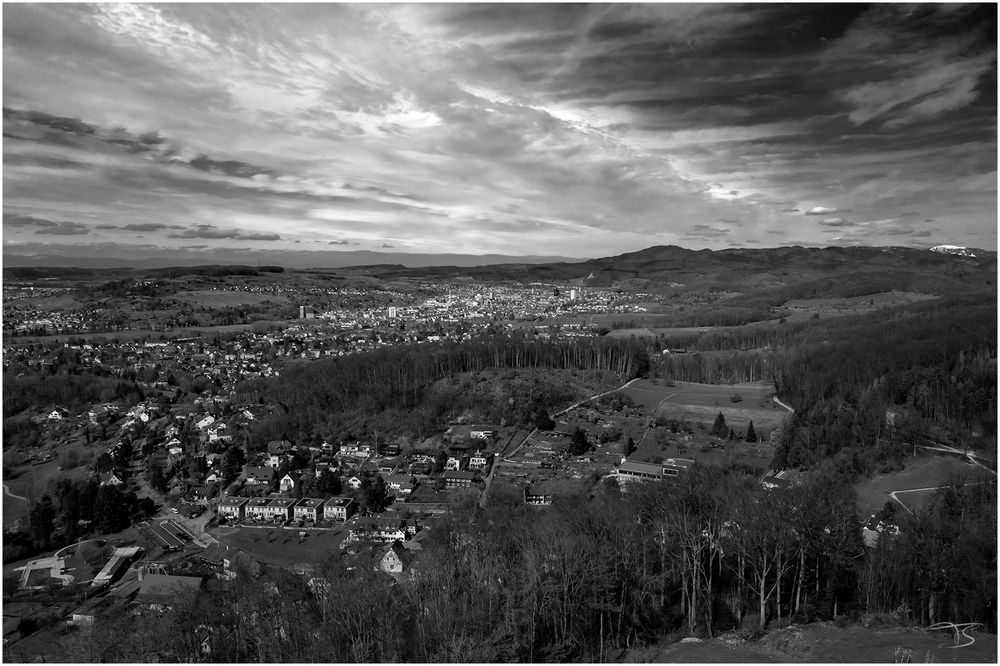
(953,249)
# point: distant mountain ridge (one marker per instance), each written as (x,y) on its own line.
(754,275)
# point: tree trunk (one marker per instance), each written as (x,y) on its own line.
(801,572)
(778,587)
(763,602)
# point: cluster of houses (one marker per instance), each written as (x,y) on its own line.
(282,510)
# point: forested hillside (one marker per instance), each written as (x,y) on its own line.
(330,396)
(593,575)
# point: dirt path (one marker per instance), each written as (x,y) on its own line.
(6,491)
(775,398)
(971,456)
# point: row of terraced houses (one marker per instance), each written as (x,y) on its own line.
(282,509)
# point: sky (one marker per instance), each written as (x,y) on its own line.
(221,132)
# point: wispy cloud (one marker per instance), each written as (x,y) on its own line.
(496,128)
(212,232)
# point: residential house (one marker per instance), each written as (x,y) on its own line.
(396,481)
(233,507)
(308,509)
(176,486)
(205,422)
(383,529)
(453,463)
(482,434)
(110,479)
(478,461)
(278,451)
(538,495)
(259,475)
(642,471)
(255,508)
(174,455)
(458,479)
(288,482)
(354,483)
(339,508)
(279,509)
(203,493)
(781,479)
(395,559)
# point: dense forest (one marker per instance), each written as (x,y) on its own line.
(594,575)
(930,366)
(328,396)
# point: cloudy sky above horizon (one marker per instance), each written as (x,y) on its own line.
(569,130)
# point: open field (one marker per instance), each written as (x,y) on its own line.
(824,642)
(28,479)
(857,304)
(282,546)
(61,302)
(659,446)
(651,394)
(922,472)
(218,298)
(13,508)
(701,403)
(646,332)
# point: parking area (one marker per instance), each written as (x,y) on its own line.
(168,533)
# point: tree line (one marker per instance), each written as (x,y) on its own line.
(594,575)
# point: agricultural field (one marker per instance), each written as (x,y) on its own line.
(645,332)
(921,472)
(51,303)
(219,298)
(283,546)
(804,308)
(701,403)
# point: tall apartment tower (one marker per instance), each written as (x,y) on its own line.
(393,313)
(302,312)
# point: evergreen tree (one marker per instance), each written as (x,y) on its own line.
(41,520)
(751,435)
(579,444)
(719,428)
(375,494)
(542,419)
